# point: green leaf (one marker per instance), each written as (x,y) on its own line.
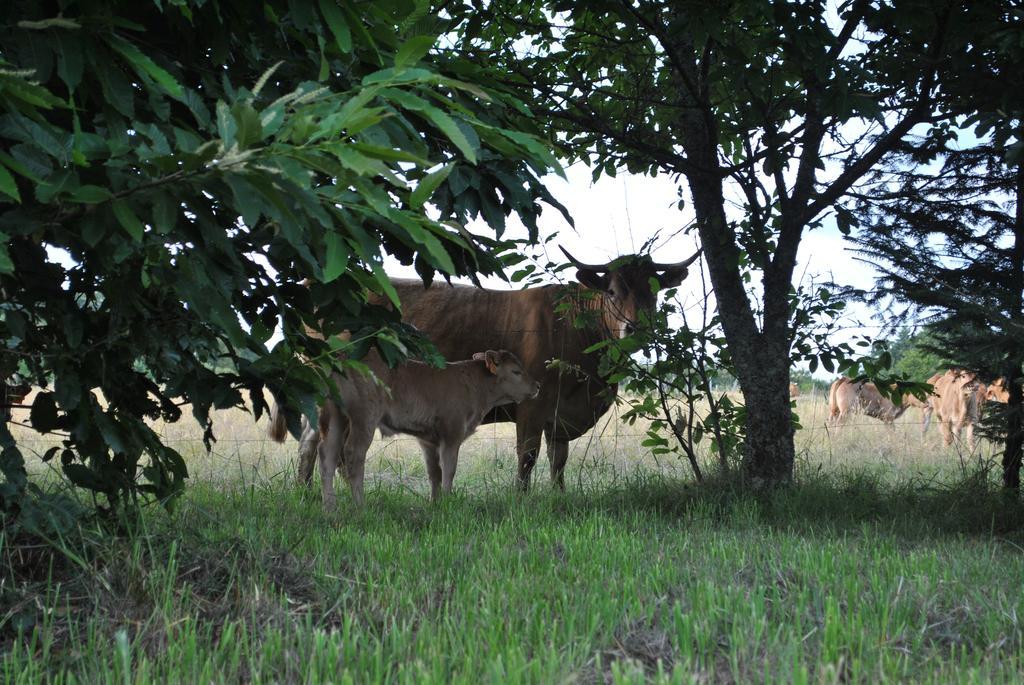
(337,256)
(43,414)
(90,195)
(537,148)
(146,66)
(226,126)
(384,282)
(110,431)
(82,476)
(33,94)
(6,265)
(128,220)
(413,50)
(165,213)
(7,185)
(336,22)
(249,131)
(428,185)
(450,129)
(356,161)
(391,154)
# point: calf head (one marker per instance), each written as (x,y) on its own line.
(513,382)
(626,286)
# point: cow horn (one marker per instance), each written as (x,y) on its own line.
(600,268)
(677,265)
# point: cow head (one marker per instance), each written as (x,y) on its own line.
(625,284)
(513,382)
(997,391)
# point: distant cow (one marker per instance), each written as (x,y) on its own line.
(924,405)
(997,391)
(957,401)
(846,398)
(537,324)
(794,391)
(440,407)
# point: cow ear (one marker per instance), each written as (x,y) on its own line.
(672,278)
(593,279)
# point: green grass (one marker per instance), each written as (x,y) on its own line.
(893,558)
(839,579)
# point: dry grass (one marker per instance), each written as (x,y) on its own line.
(610,450)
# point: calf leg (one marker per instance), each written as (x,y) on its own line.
(359,439)
(558,454)
(330,451)
(432,458)
(308,443)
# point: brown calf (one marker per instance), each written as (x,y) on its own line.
(440,407)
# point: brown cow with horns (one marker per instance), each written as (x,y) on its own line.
(536,324)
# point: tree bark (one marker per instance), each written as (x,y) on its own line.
(1014,447)
(760,357)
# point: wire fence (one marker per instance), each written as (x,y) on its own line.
(240,431)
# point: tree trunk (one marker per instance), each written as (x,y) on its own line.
(1014,446)
(769,453)
(761,358)
(1015,406)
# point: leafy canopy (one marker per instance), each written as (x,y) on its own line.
(171,172)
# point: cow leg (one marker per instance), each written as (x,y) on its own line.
(926,419)
(558,454)
(449,462)
(308,443)
(330,451)
(432,458)
(946,428)
(528,432)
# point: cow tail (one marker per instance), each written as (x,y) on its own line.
(278,428)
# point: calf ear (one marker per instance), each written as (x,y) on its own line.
(593,279)
(490,357)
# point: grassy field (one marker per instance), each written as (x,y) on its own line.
(890,559)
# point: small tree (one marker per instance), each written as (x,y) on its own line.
(767,106)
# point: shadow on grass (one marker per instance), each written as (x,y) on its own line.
(913,507)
